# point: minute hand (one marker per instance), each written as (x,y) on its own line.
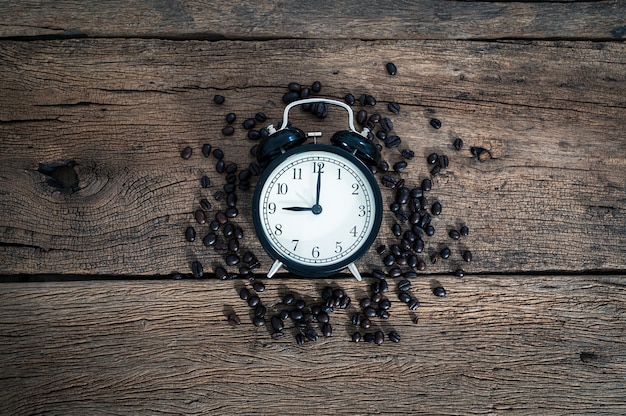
(319,187)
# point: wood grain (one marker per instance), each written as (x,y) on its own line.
(497,344)
(550,197)
(431,19)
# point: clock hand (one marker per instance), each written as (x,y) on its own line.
(319,186)
(298,208)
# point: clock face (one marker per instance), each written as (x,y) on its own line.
(317,209)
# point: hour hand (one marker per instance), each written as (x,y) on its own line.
(298,208)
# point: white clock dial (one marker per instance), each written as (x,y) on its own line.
(317,208)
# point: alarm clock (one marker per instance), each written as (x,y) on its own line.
(317,208)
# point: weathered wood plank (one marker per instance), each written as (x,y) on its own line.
(515,344)
(551,197)
(432,19)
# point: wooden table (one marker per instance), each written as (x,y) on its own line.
(99,313)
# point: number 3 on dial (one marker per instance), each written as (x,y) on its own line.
(316,210)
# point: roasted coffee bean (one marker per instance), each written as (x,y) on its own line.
(349,99)
(423,202)
(253,301)
(233,245)
(379,337)
(389,260)
(205,181)
(244,294)
(434,258)
(338,293)
(361,117)
(231,118)
(232,259)
(277,323)
(411,261)
(378,274)
(209,239)
(464,231)
(435,209)
(277,335)
(404,297)
(386,124)
(205,204)
(260,117)
(294,86)
(220,166)
(316,87)
(186,153)
(254,135)
(410,274)
(196,269)
(221,217)
(384,304)
(231,212)
(393,336)
(200,216)
(424,220)
(394,207)
(458,143)
(444,253)
(413,304)
(421,265)
(190,234)
(383,313)
(369,337)
(218,154)
(258,286)
(399,166)
(394,107)
(391,68)
(395,272)
(396,229)
(439,291)
(356,337)
(381,134)
(327,330)
(370,100)
(284,314)
(388,181)
(221,273)
(375,287)
(231,168)
(429,230)
(435,123)
(233,319)
(322,317)
(258,321)
(305,93)
(327,293)
(260,310)
(311,334)
(219,99)
(454,234)
(459,273)
(362,99)
(206,150)
(408,154)
(229,229)
(467,256)
(229,188)
(220,247)
(219,195)
(300,339)
(426,185)
(432,158)
(249,123)
(404,285)
(365,323)
(291,96)
(245,271)
(228,131)
(356,319)
(443,161)
(231,200)
(376,297)
(392,141)
(381,249)
(418,245)
(300,304)
(384,286)
(402,215)
(370,312)
(374,118)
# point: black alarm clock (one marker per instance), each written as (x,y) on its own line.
(317,208)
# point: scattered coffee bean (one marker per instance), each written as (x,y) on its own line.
(244,293)
(369,337)
(391,68)
(459,273)
(392,141)
(384,304)
(186,153)
(327,330)
(249,123)
(439,291)
(386,124)
(190,234)
(349,99)
(435,170)
(219,99)
(291,97)
(443,161)
(231,212)
(277,323)
(361,117)
(454,234)
(300,339)
(435,209)
(429,230)
(260,310)
(394,107)
(260,117)
(379,337)
(408,154)
(394,336)
(258,321)
(369,312)
(404,297)
(444,253)
(253,301)
(228,131)
(432,158)
(200,216)
(464,231)
(206,150)
(196,269)
(231,118)
(356,319)
(404,285)
(426,185)
(232,259)
(311,334)
(467,256)
(316,87)
(205,181)
(381,249)
(413,304)
(435,123)
(205,204)
(258,286)
(458,143)
(399,166)
(370,100)
(365,323)
(356,337)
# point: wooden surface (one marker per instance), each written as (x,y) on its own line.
(91,321)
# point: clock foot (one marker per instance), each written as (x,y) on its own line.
(275,267)
(354,271)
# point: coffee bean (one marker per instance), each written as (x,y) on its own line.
(284,314)
(386,124)
(356,319)
(260,117)
(349,99)
(384,304)
(327,293)
(220,166)
(467,256)
(244,175)
(361,117)
(249,123)
(454,234)
(389,260)
(221,273)
(260,310)
(404,285)
(379,337)
(186,153)
(369,312)
(254,134)
(221,217)
(305,93)
(443,161)
(232,212)
(399,166)
(327,330)
(277,335)
(233,245)
(365,323)
(435,209)
(258,321)
(391,68)
(300,304)
(413,304)
(432,158)
(233,319)
(294,86)
(205,181)
(206,150)
(231,118)
(392,141)
(205,204)
(458,143)
(396,229)
(376,297)
(394,207)
(383,313)
(316,87)
(277,323)
(381,249)
(369,337)
(253,300)
(244,294)
(464,231)
(429,230)
(291,97)
(389,181)
(439,291)
(435,123)
(459,273)
(394,107)
(300,339)
(418,245)
(444,253)
(370,100)
(228,131)
(232,259)
(356,337)
(408,154)
(411,261)
(219,99)
(374,118)
(200,216)
(311,334)
(394,336)
(228,229)
(258,286)
(196,269)
(190,234)
(404,297)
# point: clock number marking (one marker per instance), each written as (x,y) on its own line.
(355,189)
(297,173)
(318,167)
(315,252)
(278,229)
(361,210)
(339,174)
(353,231)
(338,248)
(271,207)
(281,188)
(295,244)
